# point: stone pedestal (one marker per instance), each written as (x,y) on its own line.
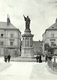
(27,44)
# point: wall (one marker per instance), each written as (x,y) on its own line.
(7,39)
(48,38)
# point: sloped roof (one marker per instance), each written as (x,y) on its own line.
(3,25)
(53,27)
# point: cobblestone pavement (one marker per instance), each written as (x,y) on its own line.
(17,71)
(26,71)
(42,72)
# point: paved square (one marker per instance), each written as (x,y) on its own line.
(25,71)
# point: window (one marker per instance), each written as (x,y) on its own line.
(31,39)
(52,39)
(23,38)
(1,42)
(52,43)
(11,43)
(30,45)
(52,35)
(52,27)
(1,35)
(11,35)
(27,38)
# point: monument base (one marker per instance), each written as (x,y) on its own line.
(27,52)
(27,44)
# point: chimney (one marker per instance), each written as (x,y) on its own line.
(56,20)
(8,20)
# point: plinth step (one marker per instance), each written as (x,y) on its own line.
(23,59)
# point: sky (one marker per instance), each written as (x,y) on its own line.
(42,14)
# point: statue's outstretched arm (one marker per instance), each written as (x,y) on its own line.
(24,17)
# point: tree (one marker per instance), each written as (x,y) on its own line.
(46,46)
(51,50)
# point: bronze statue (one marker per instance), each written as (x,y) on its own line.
(27,20)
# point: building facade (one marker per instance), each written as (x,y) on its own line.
(10,38)
(50,36)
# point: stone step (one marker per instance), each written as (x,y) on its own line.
(21,59)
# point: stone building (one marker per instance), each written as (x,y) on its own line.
(10,38)
(50,36)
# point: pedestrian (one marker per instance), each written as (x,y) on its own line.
(9,58)
(46,58)
(37,58)
(5,58)
(40,60)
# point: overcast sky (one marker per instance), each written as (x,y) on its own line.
(41,12)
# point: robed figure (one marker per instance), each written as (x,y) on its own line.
(27,22)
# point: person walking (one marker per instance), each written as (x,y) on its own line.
(46,58)
(5,58)
(40,60)
(37,58)
(9,58)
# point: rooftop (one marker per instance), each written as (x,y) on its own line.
(53,27)
(3,25)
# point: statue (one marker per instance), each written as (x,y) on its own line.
(27,20)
